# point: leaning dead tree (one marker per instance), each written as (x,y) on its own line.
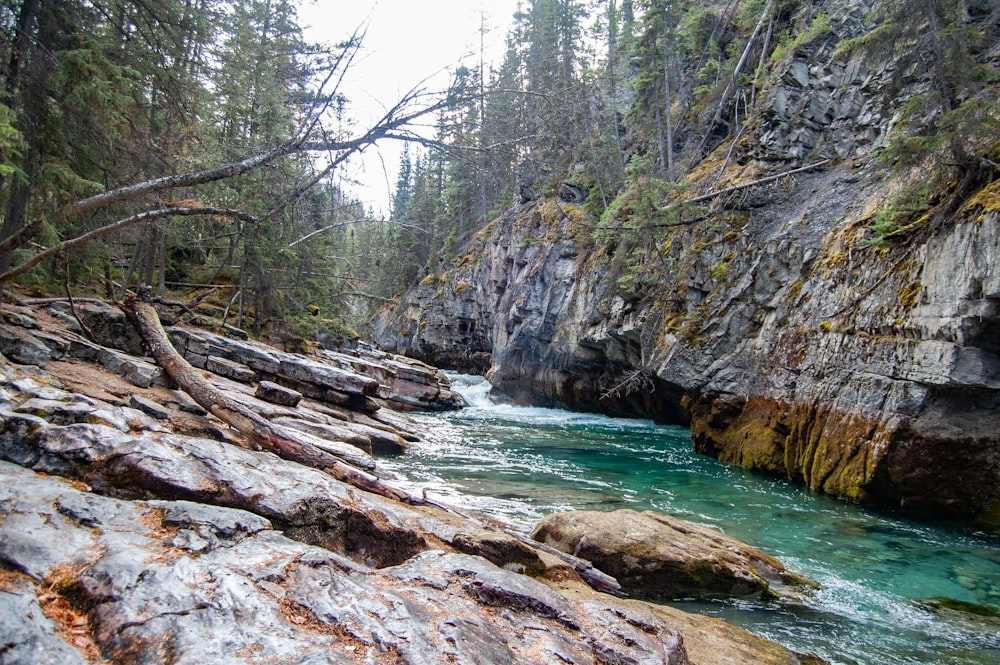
(259,432)
(677,206)
(309,139)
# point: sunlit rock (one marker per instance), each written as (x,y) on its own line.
(657,557)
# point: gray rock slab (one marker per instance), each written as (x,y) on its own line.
(149,407)
(329,430)
(147,579)
(308,504)
(326,376)
(345,451)
(231,369)
(272,392)
(110,327)
(139,373)
(22,347)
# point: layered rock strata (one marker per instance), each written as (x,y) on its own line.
(868,374)
(148,535)
(771,324)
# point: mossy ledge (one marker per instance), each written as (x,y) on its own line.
(895,464)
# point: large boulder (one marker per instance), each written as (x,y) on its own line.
(656,557)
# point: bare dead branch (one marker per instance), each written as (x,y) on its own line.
(633,382)
(87,332)
(131,192)
(733,81)
(117,226)
(742,186)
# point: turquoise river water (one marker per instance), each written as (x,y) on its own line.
(523,463)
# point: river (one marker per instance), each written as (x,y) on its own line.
(875,569)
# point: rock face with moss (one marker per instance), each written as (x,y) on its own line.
(838,326)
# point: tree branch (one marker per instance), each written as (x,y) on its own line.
(172,182)
(108,229)
(742,186)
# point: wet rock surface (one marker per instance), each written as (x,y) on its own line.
(129,537)
(170,581)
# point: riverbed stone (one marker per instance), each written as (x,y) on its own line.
(658,557)
(272,392)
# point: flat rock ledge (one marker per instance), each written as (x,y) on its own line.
(179,582)
(660,558)
(132,538)
(363,380)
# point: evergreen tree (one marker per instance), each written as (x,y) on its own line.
(165,142)
(404,184)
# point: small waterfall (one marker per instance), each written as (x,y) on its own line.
(474,389)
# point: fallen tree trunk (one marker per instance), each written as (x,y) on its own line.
(258,431)
(737,188)
(282,442)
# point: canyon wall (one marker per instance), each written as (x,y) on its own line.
(771,321)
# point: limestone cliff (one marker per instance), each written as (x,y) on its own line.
(769,319)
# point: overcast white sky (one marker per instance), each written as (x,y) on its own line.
(407,42)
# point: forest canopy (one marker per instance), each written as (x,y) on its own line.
(197,147)
(189,147)
(631,109)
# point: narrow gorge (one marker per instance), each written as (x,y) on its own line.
(771,316)
(719,281)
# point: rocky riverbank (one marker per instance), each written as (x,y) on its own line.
(137,528)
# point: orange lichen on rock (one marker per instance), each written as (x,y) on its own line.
(72,623)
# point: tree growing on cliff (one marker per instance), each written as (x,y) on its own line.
(949,124)
(958,111)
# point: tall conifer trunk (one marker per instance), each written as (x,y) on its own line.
(29,69)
